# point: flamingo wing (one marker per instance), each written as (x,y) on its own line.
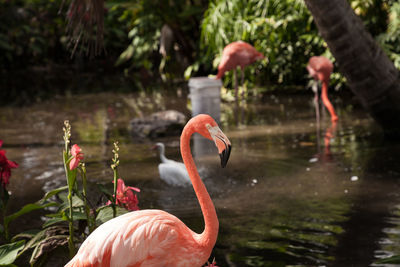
(236,54)
(140,238)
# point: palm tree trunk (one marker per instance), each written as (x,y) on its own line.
(370,74)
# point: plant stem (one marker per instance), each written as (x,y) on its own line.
(71,176)
(4,199)
(84,193)
(5,225)
(114,167)
(114,206)
(71,245)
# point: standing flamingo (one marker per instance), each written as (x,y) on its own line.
(320,68)
(148,238)
(237,54)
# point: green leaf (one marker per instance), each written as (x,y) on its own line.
(26,209)
(9,252)
(53,221)
(71,175)
(77,215)
(391,260)
(105,191)
(76,203)
(37,238)
(47,244)
(53,192)
(105,213)
(27,234)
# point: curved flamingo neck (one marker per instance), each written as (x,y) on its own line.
(208,238)
(325,100)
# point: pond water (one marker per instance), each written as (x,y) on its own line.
(294,193)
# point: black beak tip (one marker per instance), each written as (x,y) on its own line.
(225,156)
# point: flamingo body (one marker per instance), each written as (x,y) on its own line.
(150,238)
(172,172)
(140,239)
(237,54)
(320,68)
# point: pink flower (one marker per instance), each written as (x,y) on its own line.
(5,167)
(77,157)
(125,196)
(212,264)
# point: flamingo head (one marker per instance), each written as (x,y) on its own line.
(259,56)
(313,73)
(209,129)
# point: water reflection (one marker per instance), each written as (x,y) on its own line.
(275,206)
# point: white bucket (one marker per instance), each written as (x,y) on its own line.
(205,96)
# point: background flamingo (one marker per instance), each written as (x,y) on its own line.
(154,237)
(172,172)
(237,54)
(320,68)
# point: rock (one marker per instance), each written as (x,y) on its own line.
(163,123)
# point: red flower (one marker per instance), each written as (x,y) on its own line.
(5,167)
(125,196)
(212,264)
(77,157)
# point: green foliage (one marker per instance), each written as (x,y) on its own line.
(9,252)
(148,17)
(285,33)
(33,32)
(106,213)
(282,30)
(390,40)
(71,217)
(30,31)
(391,260)
(24,210)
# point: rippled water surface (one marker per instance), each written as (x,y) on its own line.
(295,192)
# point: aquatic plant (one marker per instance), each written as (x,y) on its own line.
(77,157)
(10,251)
(72,217)
(125,197)
(5,167)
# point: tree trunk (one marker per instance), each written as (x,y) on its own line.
(370,74)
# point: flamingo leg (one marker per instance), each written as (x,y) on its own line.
(316,100)
(242,82)
(327,103)
(236,84)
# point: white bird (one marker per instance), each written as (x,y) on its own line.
(172,172)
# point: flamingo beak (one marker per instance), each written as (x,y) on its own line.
(223,144)
(225,155)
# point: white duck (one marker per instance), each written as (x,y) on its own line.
(172,172)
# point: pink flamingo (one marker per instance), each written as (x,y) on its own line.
(154,237)
(320,68)
(237,54)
